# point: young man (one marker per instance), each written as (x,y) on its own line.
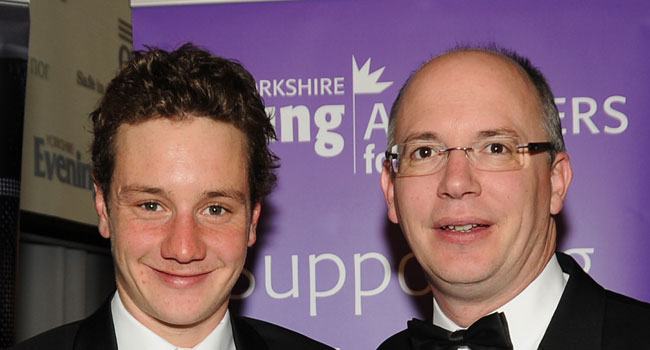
(476,171)
(180,164)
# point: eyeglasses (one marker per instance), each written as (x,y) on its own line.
(417,158)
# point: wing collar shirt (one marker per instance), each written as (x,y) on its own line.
(529,313)
(133,335)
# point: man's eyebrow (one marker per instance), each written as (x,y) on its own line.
(433,136)
(133,189)
(425,136)
(234,194)
(130,190)
(507,132)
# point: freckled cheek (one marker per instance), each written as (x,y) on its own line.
(228,245)
(136,240)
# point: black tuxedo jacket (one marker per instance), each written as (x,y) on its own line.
(96,332)
(588,317)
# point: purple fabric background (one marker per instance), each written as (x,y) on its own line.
(591,50)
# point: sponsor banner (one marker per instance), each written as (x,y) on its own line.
(75,48)
(328,262)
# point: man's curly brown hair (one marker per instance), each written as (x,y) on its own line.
(185,83)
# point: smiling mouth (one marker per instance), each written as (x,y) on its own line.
(183,280)
(185,275)
(461,228)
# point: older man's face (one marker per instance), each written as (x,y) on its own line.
(179,220)
(475,231)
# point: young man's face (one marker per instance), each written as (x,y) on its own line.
(179,218)
(478,233)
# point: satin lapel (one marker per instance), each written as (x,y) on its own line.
(97,332)
(578,320)
(246,338)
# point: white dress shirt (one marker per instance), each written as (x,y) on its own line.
(133,335)
(529,313)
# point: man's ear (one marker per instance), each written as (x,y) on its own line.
(561,175)
(252,229)
(102,212)
(388,186)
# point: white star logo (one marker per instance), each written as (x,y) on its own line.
(364,82)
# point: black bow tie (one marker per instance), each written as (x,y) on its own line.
(488,333)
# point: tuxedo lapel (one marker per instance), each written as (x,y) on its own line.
(246,338)
(577,323)
(97,332)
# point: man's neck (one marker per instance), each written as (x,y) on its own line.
(464,305)
(540,298)
(465,313)
(186,336)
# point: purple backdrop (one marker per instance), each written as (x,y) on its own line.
(328,214)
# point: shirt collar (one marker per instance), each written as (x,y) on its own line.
(540,298)
(133,335)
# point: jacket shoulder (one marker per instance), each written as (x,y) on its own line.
(618,301)
(618,304)
(59,338)
(280,338)
(625,320)
(399,341)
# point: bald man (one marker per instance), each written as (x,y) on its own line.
(476,172)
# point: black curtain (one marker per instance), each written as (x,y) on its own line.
(14,31)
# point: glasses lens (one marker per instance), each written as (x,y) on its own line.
(492,154)
(496,155)
(424,158)
(419,158)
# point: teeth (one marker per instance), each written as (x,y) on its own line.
(460,228)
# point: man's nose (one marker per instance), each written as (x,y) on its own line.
(184,242)
(458,176)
